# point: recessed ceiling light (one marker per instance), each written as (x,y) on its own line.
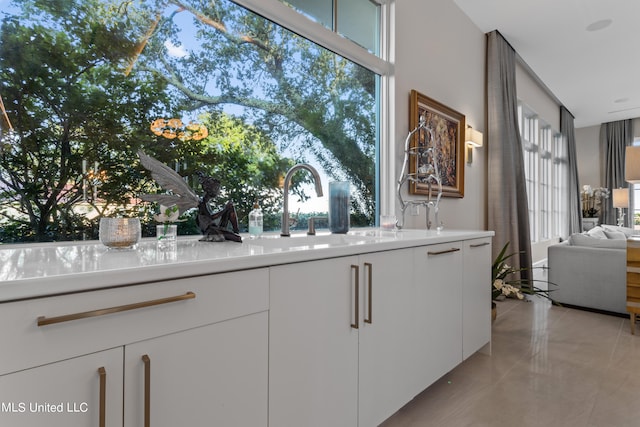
(599,25)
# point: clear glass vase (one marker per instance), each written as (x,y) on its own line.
(166,235)
(339,192)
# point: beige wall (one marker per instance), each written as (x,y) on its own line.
(440,53)
(536,98)
(587,152)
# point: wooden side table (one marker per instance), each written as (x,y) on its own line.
(633,280)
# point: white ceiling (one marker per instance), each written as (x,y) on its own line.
(592,73)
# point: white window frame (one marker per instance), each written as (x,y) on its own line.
(635,197)
(545,182)
(283,15)
(544,155)
(560,185)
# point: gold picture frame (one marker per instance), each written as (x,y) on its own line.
(445,130)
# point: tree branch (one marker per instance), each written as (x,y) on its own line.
(219,26)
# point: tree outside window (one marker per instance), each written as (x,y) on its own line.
(82,82)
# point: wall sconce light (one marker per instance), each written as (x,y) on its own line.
(632,165)
(472,138)
(621,201)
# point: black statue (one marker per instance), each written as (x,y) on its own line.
(215,226)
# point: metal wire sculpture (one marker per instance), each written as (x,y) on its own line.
(426,172)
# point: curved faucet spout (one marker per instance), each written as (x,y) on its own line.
(287,184)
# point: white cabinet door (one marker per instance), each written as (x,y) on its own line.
(438,273)
(214,375)
(476,296)
(313,347)
(82,391)
(386,340)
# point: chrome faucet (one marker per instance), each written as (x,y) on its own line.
(287,183)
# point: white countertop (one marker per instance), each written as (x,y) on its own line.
(36,270)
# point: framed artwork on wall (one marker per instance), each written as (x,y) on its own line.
(445,130)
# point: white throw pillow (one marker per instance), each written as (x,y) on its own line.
(596,232)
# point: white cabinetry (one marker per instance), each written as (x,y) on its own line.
(313,348)
(438,328)
(476,299)
(343,338)
(385,337)
(353,339)
(83,391)
(190,351)
(339,340)
(211,375)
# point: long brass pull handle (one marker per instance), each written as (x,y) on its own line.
(479,245)
(369,267)
(43,321)
(446,251)
(356,297)
(103,396)
(147,390)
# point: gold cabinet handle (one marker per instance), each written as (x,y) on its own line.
(369,267)
(356,298)
(103,396)
(147,390)
(43,321)
(479,245)
(446,251)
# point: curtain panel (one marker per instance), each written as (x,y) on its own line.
(507,210)
(574,207)
(614,138)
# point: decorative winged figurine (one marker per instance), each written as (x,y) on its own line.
(215,226)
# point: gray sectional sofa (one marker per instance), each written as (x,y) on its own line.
(590,269)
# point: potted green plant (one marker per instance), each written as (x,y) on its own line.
(505,282)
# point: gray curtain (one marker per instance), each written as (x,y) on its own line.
(574,207)
(614,137)
(507,212)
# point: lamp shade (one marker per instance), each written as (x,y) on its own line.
(621,198)
(632,165)
(473,137)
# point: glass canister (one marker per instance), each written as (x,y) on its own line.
(119,233)
(339,204)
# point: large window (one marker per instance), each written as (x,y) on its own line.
(545,162)
(202,86)
(635,199)
(559,185)
(357,20)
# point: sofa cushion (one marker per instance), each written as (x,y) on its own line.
(579,239)
(615,235)
(628,232)
(596,232)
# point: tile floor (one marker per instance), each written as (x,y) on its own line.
(550,366)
